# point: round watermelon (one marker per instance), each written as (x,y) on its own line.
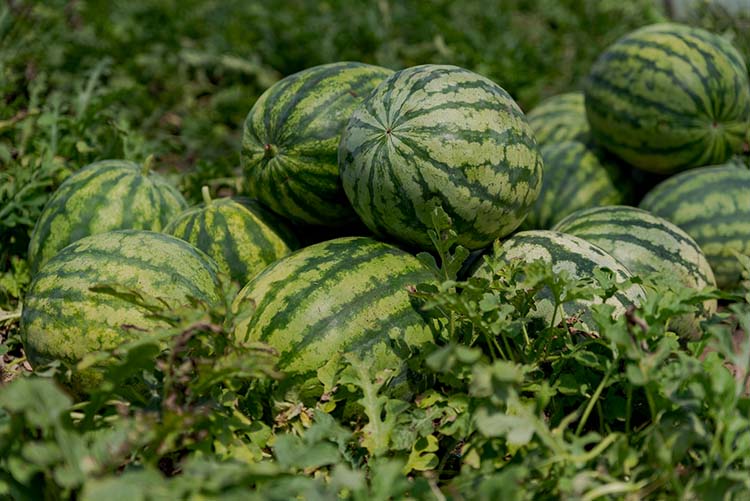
(579,259)
(712,205)
(646,244)
(347,295)
(291,136)
(436,135)
(576,176)
(237,237)
(669,97)
(104,196)
(560,118)
(66,316)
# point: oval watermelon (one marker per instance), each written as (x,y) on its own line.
(646,244)
(344,295)
(712,205)
(579,259)
(560,118)
(104,196)
(436,135)
(575,177)
(291,137)
(238,238)
(65,317)
(669,97)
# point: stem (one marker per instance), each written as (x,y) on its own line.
(206,194)
(592,401)
(147,165)
(10,315)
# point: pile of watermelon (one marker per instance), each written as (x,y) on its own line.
(346,165)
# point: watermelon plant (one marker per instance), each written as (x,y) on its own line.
(440,136)
(669,97)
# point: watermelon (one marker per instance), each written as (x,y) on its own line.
(575,177)
(712,205)
(347,295)
(438,135)
(575,256)
(669,97)
(646,244)
(104,196)
(291,136)
(560,118)
(65,317)
(238,239)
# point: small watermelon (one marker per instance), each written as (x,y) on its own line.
(347,295)
(237,237)
(65,316)
(291,137)
(579,259)
(712,205)
(669,97)
(438,135)
(104,196)
(646,244)
(560,118)
(576,177)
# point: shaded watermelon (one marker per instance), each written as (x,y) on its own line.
(291,136)
(560,118)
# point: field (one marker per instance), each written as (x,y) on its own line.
(470,385)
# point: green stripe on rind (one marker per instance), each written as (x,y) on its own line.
(291,137)
(669,97)
(578,258)
(575,178)
(646,244)
(235,236)
(440,135)
(343,295)
(711,204)
(64,319)
(560,118)
(104,196)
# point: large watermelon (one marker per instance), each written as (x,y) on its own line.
(437,135)
(645,244)
(712,205)
(579,259)
(291,138)
(64,318)
(237,237)
(669,97)
(344,295)
(575,177)
(560,118)
(104,196)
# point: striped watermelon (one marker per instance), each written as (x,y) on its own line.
(63,318)
(579,259)
(436,135)
(575,177)
(238,238)
(104,196)
(645,244)
(712,205)
(669,97)
(291,138)
(560,118)
(344,295)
